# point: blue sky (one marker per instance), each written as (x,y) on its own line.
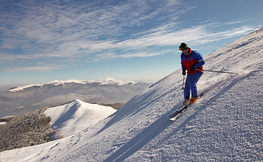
(41,41)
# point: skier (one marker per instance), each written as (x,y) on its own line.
(193,62)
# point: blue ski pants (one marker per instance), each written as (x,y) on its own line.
(190,84)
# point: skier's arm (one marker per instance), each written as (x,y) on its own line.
(182,64)
(183,68)
(200,60)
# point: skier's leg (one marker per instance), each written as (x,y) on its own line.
(193,81)
(187,88)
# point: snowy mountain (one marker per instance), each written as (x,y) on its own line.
(28,98)
(76,116)
(224,125)
(106,81)
(55,82)
(112,81)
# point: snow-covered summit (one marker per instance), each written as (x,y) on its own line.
(224,125)
(112,81)
(59,82)
(76,116)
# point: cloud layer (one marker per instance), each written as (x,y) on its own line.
(34,34)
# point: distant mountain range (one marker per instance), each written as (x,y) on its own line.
(27,98)
(106,81)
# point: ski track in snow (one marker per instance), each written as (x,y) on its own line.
(224,125)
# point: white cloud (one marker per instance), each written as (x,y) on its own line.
(140,54)
(96,31)
(30,68)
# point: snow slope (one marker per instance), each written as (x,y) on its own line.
(76,116)
(224,125)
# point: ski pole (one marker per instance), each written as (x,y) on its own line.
(217,71)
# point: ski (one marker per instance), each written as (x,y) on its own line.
(174,116)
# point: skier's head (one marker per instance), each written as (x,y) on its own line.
(184,48)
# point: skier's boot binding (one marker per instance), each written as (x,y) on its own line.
(186,102)
(193,99)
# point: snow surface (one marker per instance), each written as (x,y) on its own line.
(76,116)
(2,123)
(224,125)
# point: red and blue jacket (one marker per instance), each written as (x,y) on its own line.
(192,59)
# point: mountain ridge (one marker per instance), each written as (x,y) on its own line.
(106,81)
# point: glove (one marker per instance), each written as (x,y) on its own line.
(183,72)
(192,68)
